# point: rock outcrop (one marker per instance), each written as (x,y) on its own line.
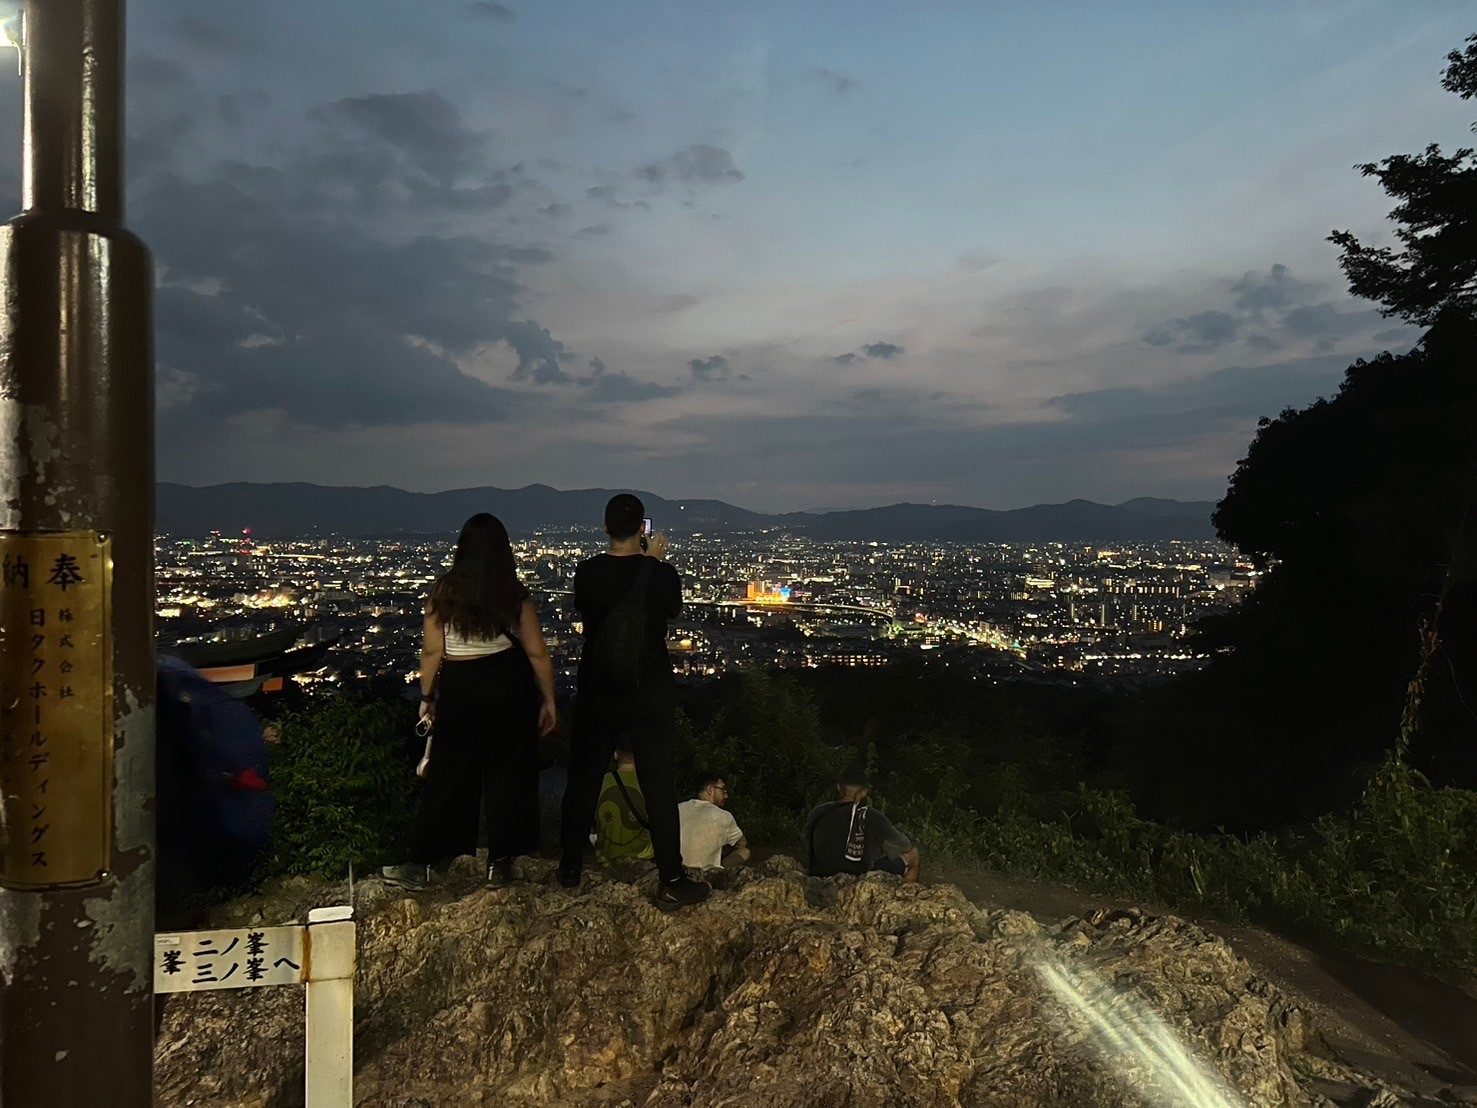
(780,991)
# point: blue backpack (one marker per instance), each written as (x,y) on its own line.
(215,804)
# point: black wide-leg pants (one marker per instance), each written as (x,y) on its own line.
(484,750)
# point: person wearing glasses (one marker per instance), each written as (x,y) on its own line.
(710,835)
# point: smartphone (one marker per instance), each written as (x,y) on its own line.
(646,528)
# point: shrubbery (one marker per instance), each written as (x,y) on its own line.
(345,786)
(1395,877)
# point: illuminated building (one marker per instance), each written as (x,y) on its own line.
(761,593)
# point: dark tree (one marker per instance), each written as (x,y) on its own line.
(1435,271)
(1360,510)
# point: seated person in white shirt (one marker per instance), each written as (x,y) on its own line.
(710,835)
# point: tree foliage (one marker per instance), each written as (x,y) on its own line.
(345,784)
(1434,272)
(1359,508)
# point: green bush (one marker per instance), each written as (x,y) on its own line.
(765,738)
(1394,877)
(345,786)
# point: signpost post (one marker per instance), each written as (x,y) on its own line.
(319,956)
(77,596)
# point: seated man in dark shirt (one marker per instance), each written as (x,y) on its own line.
(626,695)
(847,836)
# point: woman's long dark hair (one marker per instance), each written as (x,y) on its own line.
(480,595)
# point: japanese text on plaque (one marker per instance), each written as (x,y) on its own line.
(56,708)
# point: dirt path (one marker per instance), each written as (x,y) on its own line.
(1418,1032)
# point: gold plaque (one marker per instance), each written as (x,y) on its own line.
(56,708)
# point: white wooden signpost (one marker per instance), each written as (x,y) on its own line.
(318,955)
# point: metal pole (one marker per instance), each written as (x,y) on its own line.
(76,641)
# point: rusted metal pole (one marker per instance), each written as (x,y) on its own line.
(76,642)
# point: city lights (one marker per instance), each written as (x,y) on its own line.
(1045,612)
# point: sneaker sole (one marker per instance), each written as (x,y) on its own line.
(677,905)
(404,885)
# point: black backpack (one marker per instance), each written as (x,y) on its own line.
(620,646)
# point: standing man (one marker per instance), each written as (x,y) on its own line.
(626,695)
(710,835)
(849,836)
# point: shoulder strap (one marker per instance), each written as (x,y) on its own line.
(630,803)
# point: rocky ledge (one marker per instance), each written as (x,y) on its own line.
(780,991)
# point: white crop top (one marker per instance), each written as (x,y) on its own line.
(459,646)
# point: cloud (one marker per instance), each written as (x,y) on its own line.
(715,368)
(488,9)
(621,387)
(605,386)
(1242,392)
(883,350)
(1109,444)
(699,164)
(594,231)
(1277,288)
(1398,339)
(202,36)
(837,82)
(423,127)
(610,196)
(1268,311)
(976,261)
(313,286)
(1325,321)
(539,353)
(1201,331)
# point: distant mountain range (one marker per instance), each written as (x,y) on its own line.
(294,510)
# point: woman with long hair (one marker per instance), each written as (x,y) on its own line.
(487,691)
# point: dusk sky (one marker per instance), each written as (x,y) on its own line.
(791,255)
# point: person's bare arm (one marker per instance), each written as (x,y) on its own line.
(433,649)
(738,856)
(531,635)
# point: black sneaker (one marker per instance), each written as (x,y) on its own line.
(680,893)
(407,876)
(569,876)
(499,873)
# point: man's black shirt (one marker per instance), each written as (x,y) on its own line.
(603,581)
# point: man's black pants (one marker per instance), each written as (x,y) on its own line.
(645,724)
